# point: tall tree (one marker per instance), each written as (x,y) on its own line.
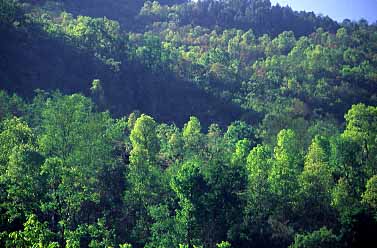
(73,138)
(316,183)
(145,177)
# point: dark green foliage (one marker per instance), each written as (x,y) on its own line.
(233,69)
(10,12)
(10,106)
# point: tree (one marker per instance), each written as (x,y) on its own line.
(144,177)
(369,197)
(192,137)
(226,177)
(320,238)
(362,127)
(286,168)
(144,137)
(239,130)
(74,140)
(20,183)
(316,183)
(240,155)
(35,234)
(166,231)
(24,186)
(259,198)
(14,132)
(98,92)
(190,186)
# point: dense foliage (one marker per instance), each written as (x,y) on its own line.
(282,151)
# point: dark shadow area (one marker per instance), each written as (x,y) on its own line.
(32,60)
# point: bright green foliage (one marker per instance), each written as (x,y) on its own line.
(242,150)
(171,143)
(19,166)
(100,235)
(14,132)
(81,173)
(76,155)
(53,171)
(362,127)
(259,164)
(144,175)
(370,194)
(143,137)
(323,238)
(92,33)
(125,245)
(281,77)
(192,128)
(316,184)
(34,234)
(224,244)
(286,168)
(101,36)
(259,198)
(64,119)
(192,136)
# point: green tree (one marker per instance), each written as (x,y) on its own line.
(286,168)
(226,177)
(192,137)
(34,234)
(316,183)
(144,137)
(189,185)
(14,132)
(239,130)
(23,182)
(19,168)
(369,197)
(144,176)
(259,198)
(362,127)
(74,140)
(166,231)
(320,238)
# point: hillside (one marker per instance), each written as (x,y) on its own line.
(189,58)
(173,123)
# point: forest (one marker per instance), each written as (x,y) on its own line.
(185,124)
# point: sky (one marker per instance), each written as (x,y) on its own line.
(336,9)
